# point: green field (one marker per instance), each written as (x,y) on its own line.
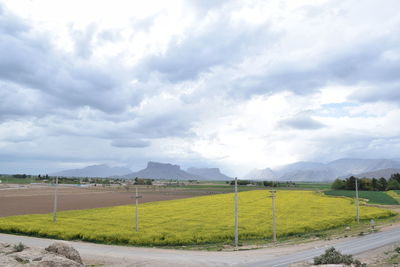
(10,180)
(313,185)
(374,197)
(199,220)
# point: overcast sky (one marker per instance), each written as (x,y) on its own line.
(231,84)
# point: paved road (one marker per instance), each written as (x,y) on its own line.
(274,257)
(354,246)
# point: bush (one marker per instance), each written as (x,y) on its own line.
(332,256)
(18,248)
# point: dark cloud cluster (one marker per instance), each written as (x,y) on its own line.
(201,50)
(30,62)
(130,143)
(302,123)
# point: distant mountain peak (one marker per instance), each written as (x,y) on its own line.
(157,170)
(98,170)
(263,174)
(209,173)
(153,164)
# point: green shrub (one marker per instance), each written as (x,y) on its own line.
(18,248)
(332,256)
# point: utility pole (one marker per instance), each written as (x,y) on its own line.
(357,208)
(236,216)
(55,201)
(137,207)
(272,196)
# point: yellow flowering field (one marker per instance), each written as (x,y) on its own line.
(199,220)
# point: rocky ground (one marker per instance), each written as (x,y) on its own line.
(57,254)
(387,256)
(382,257)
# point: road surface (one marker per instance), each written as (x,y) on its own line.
(354,246)
(274,257)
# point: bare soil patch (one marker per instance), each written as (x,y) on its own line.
(33,199)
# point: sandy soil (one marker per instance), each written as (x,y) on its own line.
(39,199)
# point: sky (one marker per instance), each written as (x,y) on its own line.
(237,85)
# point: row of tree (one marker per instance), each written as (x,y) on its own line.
(368,184)
(263,183)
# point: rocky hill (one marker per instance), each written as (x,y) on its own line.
(156,170)
(209,173)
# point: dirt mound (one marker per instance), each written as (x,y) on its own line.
(65,250)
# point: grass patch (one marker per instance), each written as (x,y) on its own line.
(313,185)
(16,180)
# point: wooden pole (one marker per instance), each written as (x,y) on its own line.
(55,201)
(273,215)
(357,208)
(236,216)
(137,211)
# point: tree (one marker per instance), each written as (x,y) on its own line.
(393,184)
(374,184)
(365,184)
(381,184)
(338,184)
(395,176)
(351,183)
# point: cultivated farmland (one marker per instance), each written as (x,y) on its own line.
(374,197)
(39,198)
(199,220)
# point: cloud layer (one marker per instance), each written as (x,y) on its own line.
(222,83)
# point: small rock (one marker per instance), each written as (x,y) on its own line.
(65,250)
(21,260)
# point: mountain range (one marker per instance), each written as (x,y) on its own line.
(299,171)
(315,171)
(154,170)
(101,170)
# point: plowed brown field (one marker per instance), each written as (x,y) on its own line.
(32,199)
